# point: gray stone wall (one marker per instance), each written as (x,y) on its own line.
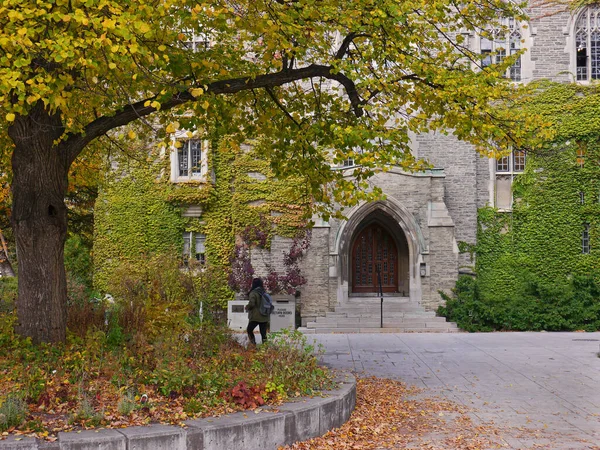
(483,182)
(315,296)
(460,163)
(550,27)
(442,266)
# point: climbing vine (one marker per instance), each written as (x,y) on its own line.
(133,220)
(556,196)
(552,236)
(141,213)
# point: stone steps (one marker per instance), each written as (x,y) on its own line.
(377,324)
(307,330)
(363,315)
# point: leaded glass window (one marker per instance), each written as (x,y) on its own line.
(581,156)
(518,161)
(198,250)
(585,238)
(189,158)
(587,44)
(507,168)
(503,164)
(505,41)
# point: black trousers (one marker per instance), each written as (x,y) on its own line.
(263,331)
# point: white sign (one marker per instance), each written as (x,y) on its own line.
(284,314)
(237,317)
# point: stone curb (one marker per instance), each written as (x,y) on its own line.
(297,420)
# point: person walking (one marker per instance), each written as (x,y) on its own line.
(254,315)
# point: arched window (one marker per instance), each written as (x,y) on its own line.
(504,41)
(587,44)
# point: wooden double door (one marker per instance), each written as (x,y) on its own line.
(374,257)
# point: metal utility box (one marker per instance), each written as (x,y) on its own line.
(284,314)
(237,317)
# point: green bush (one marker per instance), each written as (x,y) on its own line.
(536,306)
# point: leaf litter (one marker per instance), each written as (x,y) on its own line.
(390,415)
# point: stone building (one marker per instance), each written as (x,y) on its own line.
(413,235)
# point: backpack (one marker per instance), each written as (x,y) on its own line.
(266,304)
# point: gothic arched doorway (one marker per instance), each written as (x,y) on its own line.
(376,256)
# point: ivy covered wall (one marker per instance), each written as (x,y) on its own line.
(554,198)
(141,213)
(133,220)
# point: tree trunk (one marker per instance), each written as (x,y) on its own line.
(39,220)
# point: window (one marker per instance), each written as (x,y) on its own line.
(189,160)
(585,239)
(197,42)
(350,161)
(507,167)
(580,156)
(504,41)
(199,246)
(587,44)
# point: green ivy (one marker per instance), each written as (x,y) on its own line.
(133,220)
(540,242)
(140,214)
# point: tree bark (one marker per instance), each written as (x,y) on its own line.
(39,220)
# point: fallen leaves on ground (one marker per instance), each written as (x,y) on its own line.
(389,415)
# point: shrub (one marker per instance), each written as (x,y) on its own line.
(83,313)
(288,358)
(209,339)
(127,404)
(536,306)
(13,411)
(152,296)
(248,397)
(78,261)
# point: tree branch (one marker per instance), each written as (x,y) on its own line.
(280,106)
(346,43)
(127,114)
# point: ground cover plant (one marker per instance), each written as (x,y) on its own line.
(140,357)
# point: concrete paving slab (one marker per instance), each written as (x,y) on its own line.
(541,389)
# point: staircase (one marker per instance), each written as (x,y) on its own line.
(363,315)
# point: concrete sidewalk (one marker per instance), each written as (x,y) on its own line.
(542,390)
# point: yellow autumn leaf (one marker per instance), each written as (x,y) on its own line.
(10,117)
(143,27)
(197,92)
(132,134)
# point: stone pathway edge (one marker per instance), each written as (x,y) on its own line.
(298,420)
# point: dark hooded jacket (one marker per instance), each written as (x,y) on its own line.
(253,306)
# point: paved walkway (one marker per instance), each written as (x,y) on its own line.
(542,390)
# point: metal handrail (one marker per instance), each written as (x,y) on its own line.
(380,291)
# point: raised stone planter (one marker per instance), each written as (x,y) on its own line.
(298,420)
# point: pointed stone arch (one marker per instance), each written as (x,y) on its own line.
(394,217)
